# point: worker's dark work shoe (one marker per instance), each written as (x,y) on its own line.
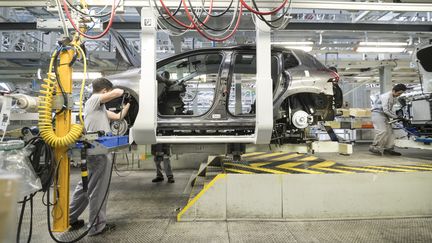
(171,179)
(158,179)
(374,151)
(391,152)
(76,225)
(107,228)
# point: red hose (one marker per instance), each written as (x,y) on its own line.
(201,32)
(264,13)
(191,26)
(84,34)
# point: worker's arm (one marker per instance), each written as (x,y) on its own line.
(118,116)
(108,96)
(388,106)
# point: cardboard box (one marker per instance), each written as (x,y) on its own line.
(333,124)
(344,112)
(360,112)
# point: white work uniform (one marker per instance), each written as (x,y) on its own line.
(99,169)
(382,111)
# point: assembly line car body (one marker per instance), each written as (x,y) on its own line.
(212,92)
(416,103)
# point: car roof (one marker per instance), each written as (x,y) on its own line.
(215,49)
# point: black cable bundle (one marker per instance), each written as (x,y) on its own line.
(44,169)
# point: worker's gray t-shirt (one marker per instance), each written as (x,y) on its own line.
(95,115)
(384,104)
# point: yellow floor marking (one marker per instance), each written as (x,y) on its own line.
(388,168)
(304,171)
(359,169)
(239,171)
(414,167)
(336,170)
(309,158)
(323,164)
(192,202)
(258,168)
(289,156)
(267,155)
(252,154)
(259,164)
(427,165)
(289,165)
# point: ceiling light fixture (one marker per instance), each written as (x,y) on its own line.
(293,43)
(380,49)
(303,48)
(306,46)
(372,43)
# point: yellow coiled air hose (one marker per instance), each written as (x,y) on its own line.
(45,108)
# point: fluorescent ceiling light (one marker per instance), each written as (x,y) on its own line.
(89,75)
(303,48)
(369,43)
(294,43)
(380,49)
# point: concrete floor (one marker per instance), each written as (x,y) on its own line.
(145,212)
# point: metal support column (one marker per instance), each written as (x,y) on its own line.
(62,127)
(176,41)
(385,74)
(144,132)
(264,92)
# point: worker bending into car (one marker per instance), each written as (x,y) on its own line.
(96,118)
(382,113)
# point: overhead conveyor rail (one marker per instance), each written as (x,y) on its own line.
(303,4)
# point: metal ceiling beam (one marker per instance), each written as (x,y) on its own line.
(301,4)
(322,26)
(17,26)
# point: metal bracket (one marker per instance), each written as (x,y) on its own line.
(59,102)
(51,24)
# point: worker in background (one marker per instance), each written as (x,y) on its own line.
(161,153)
(96,118)
(382,112)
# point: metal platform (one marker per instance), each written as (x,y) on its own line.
(293,186)
(420,143)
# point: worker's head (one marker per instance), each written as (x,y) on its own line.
(398,89)
(101,85)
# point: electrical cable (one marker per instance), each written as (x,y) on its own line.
(62,18)
(94,220)
(162,26)
(215,15)
(100,11)
(20,221)
(178,9)
(51,162)
(45,108)
(164,18)
(204,24)
(275,10)
(192,25)
(206,35)
(285,14)
(98,15)
(65,100)
(84,34)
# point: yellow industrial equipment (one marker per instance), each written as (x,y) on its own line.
(65,133)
